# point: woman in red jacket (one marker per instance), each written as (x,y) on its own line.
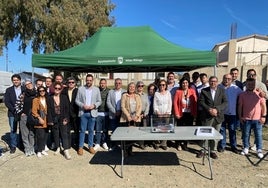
(185,107)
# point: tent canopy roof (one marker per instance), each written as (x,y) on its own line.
(125,49)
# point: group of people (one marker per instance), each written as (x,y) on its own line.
(51,104)
(203,101)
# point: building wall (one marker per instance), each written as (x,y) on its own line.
(244,53)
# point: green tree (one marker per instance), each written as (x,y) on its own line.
(51,25)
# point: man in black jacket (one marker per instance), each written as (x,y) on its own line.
(11,96)
(71,91)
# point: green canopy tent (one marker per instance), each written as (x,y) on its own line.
(125,49)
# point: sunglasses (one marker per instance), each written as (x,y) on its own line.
(162,84)
(41,90)
(57,88)
(140,85)
(70,82)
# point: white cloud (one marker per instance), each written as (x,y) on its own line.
(238,19)
(168,24)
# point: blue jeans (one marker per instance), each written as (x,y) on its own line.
(101,129)
(230,123)
(13,132)
(87,122)
(257,128)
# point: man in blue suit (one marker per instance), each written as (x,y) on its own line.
(88,100)
(11,96)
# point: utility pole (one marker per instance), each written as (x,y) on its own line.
(6,59)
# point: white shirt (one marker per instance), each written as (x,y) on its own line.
(213,92)
(162,103)
(118,95)
(88,95)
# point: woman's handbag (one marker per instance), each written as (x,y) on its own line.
(31,120)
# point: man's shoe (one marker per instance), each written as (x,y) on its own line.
(184,147)
(44,153)
(244,151)
(200,154)
(80,151)
(259,153)
(221,150)
(46,148)
(235,150)
(164,147)
(142,146)
(213,155)
(91,150)
(67,154)
(39,155)
(156,147)
(104,145)
(12,150)
(1,155)
(57,152)
(96,147)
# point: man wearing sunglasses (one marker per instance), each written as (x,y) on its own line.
(260,87)
(71,92)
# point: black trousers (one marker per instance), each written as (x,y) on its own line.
(74,125)
(41,138)
(60,131)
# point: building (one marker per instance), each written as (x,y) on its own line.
(249,52)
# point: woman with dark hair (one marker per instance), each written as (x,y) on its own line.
(151,89)
(39,110)
(185,106)
(58,118)
(162,107)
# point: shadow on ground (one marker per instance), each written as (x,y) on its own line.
(139,158)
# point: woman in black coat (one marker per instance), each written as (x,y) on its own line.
(58,118)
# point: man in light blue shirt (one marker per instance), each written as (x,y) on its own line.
(232,92)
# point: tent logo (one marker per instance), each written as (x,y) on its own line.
(120,60)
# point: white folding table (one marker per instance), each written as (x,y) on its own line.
(124,134)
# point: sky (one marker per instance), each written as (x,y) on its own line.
(192,24)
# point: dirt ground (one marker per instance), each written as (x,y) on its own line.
(149,167)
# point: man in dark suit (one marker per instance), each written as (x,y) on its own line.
(213,100)
(11,96)
(71,91)
(49,86)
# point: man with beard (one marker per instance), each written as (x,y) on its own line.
(101,127)
(252,114)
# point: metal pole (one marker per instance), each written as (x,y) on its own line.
(32,74)
(6,59)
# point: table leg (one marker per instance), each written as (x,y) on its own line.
(210,165)
(122,156)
